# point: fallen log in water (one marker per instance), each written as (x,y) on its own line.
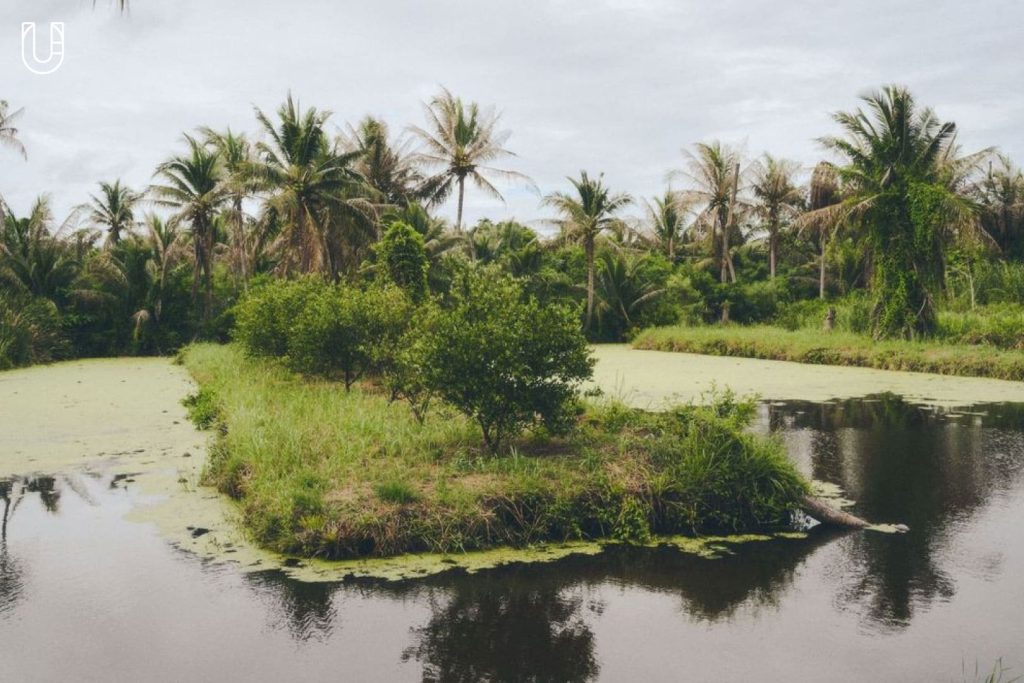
(828,515)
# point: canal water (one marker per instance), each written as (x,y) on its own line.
(87,595)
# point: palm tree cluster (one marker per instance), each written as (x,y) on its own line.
(730,237)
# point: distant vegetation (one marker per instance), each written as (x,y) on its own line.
(906,235)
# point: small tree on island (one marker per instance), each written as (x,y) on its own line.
(505,360)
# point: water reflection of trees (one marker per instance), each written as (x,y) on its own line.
(930,469)
(513,624)
(305,609)
(11,572)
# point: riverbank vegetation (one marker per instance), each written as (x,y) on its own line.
(322,471)
(364,422)
(838,348)
(917,238)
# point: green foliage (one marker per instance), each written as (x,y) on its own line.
(327,473)
(329,336)
(707,455)
(30,331)
(324,329)
(837,348)
(202,408)
(403,257)
(265,316)
(505,360)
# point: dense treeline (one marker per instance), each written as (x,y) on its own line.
(903,232)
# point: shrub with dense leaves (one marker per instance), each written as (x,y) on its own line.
(403,257)
(505,360)
(264,317)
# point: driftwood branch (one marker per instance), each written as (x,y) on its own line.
(830,516)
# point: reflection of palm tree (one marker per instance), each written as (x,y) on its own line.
(306,609)
(495,627)
(11,573)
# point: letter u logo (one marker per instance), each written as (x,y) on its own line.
(30,54)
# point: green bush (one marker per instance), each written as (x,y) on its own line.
(264,317)
(202,408)
(403,257)
(328,336)
(344,331)
(505,360)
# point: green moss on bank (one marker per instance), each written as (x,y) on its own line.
(835,348)
(321,472)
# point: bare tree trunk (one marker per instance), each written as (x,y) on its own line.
(590,282)
(462,192)
(771,253)
(830,516)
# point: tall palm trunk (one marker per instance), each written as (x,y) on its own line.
(462,193)
(773,240)
(727,229)
(589,247)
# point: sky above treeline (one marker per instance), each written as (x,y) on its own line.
(613,86)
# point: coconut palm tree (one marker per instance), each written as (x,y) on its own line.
(237,159)
(33,258)
(824,213)
(168,248)
(777,199)
(193,186)
(387,165)
(461,140)
(624,289)
(900,164)
(8,133)
(666,217)
(318,197)
(713,175)
(113,210)
(1000,192)
(583,216)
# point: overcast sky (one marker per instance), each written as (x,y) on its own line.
(619,86)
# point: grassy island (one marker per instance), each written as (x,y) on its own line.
(321,471)
(770,342)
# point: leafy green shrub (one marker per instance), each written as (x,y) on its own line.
(506,361)
(344,331)
(264,317)
(403,257)
(202,408)
(327,336)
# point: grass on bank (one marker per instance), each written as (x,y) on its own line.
(321,472)
(835,348)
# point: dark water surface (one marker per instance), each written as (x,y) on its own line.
(88,596)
